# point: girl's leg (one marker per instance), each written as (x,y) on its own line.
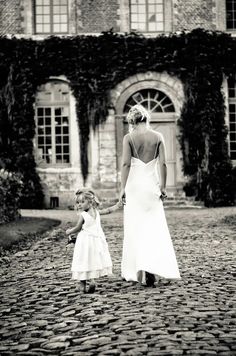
(92,286)
(83,286)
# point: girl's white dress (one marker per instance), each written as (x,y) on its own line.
(91,258)
(147,243)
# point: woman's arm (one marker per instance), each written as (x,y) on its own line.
(125,166)
(162,163)
(77,227)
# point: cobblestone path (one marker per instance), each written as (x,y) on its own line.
(42,313)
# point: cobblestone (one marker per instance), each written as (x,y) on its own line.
(43,313)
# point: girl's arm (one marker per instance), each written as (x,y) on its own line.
(125,166)
(163,166)
(77,227)
(110,209)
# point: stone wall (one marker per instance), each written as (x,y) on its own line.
(97,15)
(107,159)
(189,14)
(10,16)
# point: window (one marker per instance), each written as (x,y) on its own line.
(51,16)
(231,14)
(147,15)
(52,123)
(153,100)
(232,117)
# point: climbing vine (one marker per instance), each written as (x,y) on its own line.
(93,66)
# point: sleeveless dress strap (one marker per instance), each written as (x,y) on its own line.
(157,150)
(134,146)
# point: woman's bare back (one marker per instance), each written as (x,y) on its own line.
(145,144)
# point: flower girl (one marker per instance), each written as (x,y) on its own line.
(91,258)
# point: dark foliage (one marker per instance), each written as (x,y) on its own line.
(93,66)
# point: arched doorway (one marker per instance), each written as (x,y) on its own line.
(162,113)
(163,95)
(163,117)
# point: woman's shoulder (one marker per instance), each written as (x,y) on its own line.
(156,134)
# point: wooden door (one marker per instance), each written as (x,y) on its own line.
(168,131)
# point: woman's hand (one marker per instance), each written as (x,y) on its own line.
(122,199)
(163,194)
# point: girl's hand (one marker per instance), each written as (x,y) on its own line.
(122,199)
(68,232)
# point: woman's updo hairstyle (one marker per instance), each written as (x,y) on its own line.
(89,195)
(138,114)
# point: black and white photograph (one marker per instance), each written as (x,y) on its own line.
(117,177)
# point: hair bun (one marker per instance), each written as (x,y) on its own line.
(137,114)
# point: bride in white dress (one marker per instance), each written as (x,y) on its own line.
(147,246)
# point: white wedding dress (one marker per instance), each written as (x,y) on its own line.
(147,243)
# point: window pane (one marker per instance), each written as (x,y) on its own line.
(39,28)
(56,9)
(46,19)
(46,28)
(141,26)
(63,9)
(64,19)
(66,149)
(159,8)
(159,26)
(57,111)
(151,8)
(58,139)
(141,9)
(66,159)
(56,18)
(65,130)
(46,10)
(58,130)
(39,19)
(64,28)
(39,10)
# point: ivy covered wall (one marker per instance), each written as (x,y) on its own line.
(95,65)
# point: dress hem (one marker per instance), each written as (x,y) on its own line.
(91,274)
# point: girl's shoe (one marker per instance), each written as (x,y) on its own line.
(91,288)
(150,279)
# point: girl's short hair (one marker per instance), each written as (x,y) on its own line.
(138,114)
(89,195)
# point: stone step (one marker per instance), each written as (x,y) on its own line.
(170,202)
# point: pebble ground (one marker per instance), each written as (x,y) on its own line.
(43,313)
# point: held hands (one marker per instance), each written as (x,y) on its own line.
(122,199)
(163,195)
(68,231)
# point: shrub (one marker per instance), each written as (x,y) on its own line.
(10,193)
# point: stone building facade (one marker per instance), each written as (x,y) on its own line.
(57,137)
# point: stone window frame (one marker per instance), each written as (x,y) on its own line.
(230,29)
(52,104)
(125,17)
(51,14)
(28,19)
(230,89)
